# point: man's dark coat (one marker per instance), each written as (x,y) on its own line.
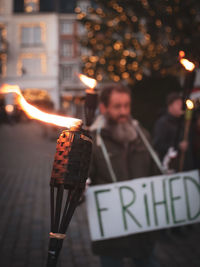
(128,161)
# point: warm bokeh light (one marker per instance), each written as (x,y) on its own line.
(189,104)
(9,108)
(91,83)
(37,114)
(181,54)
(188,65)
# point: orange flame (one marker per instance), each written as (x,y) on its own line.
(181,54)
(189,104)
(188,65)
(37,114)
(91,83)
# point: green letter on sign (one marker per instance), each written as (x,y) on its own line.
(186,178)
(99,210)
(173,198)
(125,206)
(162,202)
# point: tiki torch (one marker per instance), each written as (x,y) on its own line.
(188,119)
(190,75)
(187,87)
(69,173)
(91,99)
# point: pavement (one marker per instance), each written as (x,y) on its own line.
(26,158)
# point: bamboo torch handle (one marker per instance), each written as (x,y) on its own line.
(185,138)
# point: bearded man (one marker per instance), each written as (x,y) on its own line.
(120,153)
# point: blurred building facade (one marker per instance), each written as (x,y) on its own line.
(40,51)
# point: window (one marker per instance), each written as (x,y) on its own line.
(66,48)
(31,6)
(67,72)
(32,64)
(66,27)
(31,35)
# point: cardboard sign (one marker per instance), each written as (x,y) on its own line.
(143,204)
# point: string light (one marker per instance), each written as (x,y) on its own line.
(134,65)
(158,23)
(116,78)
(126,53)
(99,77)
(117,45)
(102,61)
(138,76)
(110,68)
(123,61)
(121,42)
(125,75)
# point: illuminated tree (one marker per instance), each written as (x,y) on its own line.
(130,39)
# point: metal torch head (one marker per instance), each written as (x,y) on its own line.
(72,159)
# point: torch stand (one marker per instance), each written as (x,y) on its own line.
(59,229)
(188,84)
(91,102)
(69,176)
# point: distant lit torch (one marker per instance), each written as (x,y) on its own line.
(69,173)
(188,118)
(190,76)
(91,99)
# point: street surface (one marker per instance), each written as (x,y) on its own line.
(26,158)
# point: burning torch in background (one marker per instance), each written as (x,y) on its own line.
(69,173)
(190,75)
(187,87)
(91,99)
(188,119)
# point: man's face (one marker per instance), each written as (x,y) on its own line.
(119,107)
(176,108)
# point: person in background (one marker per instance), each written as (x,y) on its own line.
(168,134)
(119,154)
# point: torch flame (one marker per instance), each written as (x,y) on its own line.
(181,54)
(88,81)
(37,114)
(189,104)
(188,65)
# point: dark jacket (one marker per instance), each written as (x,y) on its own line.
(168,132)
(128,162)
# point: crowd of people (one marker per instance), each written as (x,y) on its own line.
(124,150)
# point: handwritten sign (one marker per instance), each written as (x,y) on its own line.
(144,204)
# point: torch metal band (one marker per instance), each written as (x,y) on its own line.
(57,235)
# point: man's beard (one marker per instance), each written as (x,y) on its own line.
(123,132)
